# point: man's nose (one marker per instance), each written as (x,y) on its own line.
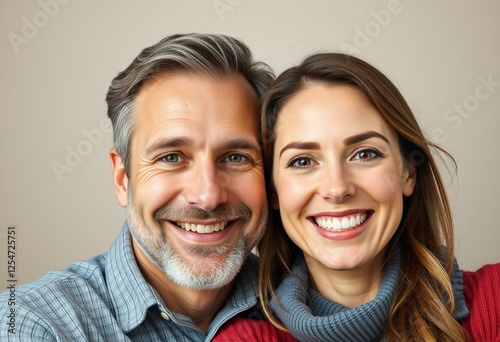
(207,186)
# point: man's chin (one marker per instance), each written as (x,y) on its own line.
(207,273)
(209,279)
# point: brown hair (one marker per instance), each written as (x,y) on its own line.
(423,305)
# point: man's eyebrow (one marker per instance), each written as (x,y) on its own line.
(164,143)
(241,144)
(300,145)
(364,136)
(232,144)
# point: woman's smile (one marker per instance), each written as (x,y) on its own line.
(339,176)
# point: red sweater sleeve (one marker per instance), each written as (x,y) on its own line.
(251,330)
(482,296)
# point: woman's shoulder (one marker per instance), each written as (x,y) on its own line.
(251,330)
(483,283)
(482,296)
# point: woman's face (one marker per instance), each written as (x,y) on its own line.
(339,177)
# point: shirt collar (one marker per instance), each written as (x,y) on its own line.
(130,293)
(243,296)
(245,289)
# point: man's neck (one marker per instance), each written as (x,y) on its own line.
(199,305)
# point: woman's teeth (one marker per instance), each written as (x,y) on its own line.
(337,223)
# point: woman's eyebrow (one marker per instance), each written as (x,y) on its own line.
(301,145)
(364,136)
(306,145)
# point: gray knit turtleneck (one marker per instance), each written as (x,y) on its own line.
(312,317)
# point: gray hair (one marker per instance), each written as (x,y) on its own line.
(206,54)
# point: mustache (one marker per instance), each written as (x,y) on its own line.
(222,212)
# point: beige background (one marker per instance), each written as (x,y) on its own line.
(58,57)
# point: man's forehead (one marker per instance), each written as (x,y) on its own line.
(195,94)
(186,103)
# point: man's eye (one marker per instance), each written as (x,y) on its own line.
(236,158)
(171,158)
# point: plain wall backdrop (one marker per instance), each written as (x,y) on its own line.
(58,58)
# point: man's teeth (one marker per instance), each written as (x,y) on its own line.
(347,222)
(202,228)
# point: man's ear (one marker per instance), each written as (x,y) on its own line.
(409,179)
(120,178)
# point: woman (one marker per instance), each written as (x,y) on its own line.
(355,184)
(360,246)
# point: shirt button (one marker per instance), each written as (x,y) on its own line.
(165,316)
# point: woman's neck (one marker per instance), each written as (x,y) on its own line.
(350,288)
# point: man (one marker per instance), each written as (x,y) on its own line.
(187,165)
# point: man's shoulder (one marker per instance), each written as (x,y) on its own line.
(82,281)
(81,274)
(58,303)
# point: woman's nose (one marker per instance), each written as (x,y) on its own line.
(336,185)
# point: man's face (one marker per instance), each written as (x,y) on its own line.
(195,192)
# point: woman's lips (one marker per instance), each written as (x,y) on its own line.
(340,223)
(342,227)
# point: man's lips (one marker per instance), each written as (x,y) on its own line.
(203,228)
(341,223)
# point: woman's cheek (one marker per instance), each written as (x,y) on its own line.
(384,186)
(293,195)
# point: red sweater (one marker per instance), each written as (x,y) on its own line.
(482,296)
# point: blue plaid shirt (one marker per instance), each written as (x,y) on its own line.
(106,298)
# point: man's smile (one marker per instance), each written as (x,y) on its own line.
(203,228)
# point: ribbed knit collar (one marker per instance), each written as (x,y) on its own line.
(311,317)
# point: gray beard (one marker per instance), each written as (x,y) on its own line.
(204,276)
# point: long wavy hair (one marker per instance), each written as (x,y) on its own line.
(423,305)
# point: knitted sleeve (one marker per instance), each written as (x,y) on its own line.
(482,295)
(251,330)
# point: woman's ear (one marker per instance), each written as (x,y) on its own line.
(409,179)
(275,203)
(120,178)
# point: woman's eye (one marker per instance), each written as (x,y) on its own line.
(300,162)
(367,155)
